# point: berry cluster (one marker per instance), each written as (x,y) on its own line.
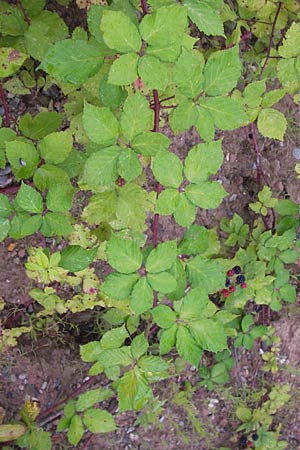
(235,276)
(247,443)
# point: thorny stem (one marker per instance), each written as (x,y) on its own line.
(145,7)
(5,107)
(156,108)
(271,40)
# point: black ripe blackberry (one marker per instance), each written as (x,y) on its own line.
(227,282)
(255,437)
(243,440)
(237,269)
(240,279)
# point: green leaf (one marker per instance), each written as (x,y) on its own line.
(206,194)
(162,257)
(45,29)
(272,97)
(12,22)
(119,32)
(75,258)
(247,322)
(40,125)
(167,201)
(49,175)
(110,95)
(288,256)
(30,225)
(288,293)
(286,208)
(18,153)
(164,316)
(101,208)
(115,357)
(129,166)
(99,421)
(162,282)
(271,123)
(196,304)
(164,26)
(136,116)
(149,143)
(100,125)
(59,197)
(33,7)
(168,52)
(187,347)
(209,335)
(253,93)
(69,411)
(222,71)
(123,71)
(195,240)
(76,430)
(167,340)
(10,61)
(209,274)
(4,228)
(88,399)
(100,168)
(153,72)
(141,297)
(139,346)
(56,224)
(72,61)
(118,285)
(114,338)
(28,199)
(151,363)
(227,113)
(203,160)
(124,255)
(133,390)
(55,147)
(185,211)
(188,72)
(5,207)
(205,17)
(289,47)
(184,116)
(90,351)
(244,414)
(132,204)
(171,177)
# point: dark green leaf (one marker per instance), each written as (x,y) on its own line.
(75,258)
(99,421)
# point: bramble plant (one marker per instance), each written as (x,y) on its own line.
(162,300)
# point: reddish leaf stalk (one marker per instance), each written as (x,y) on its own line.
(271,40)
(5,107)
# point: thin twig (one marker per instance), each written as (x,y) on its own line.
(156,108)
(5,107)
(271,40)
(75,393)
(26,18)
(259,171)
(90,439)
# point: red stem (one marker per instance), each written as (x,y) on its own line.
(156,108)
(5,107)
(145,7)
(271,40)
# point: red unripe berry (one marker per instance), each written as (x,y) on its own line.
(225,292)
(230,273)
(231,288)
(243,285)
(250,444)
